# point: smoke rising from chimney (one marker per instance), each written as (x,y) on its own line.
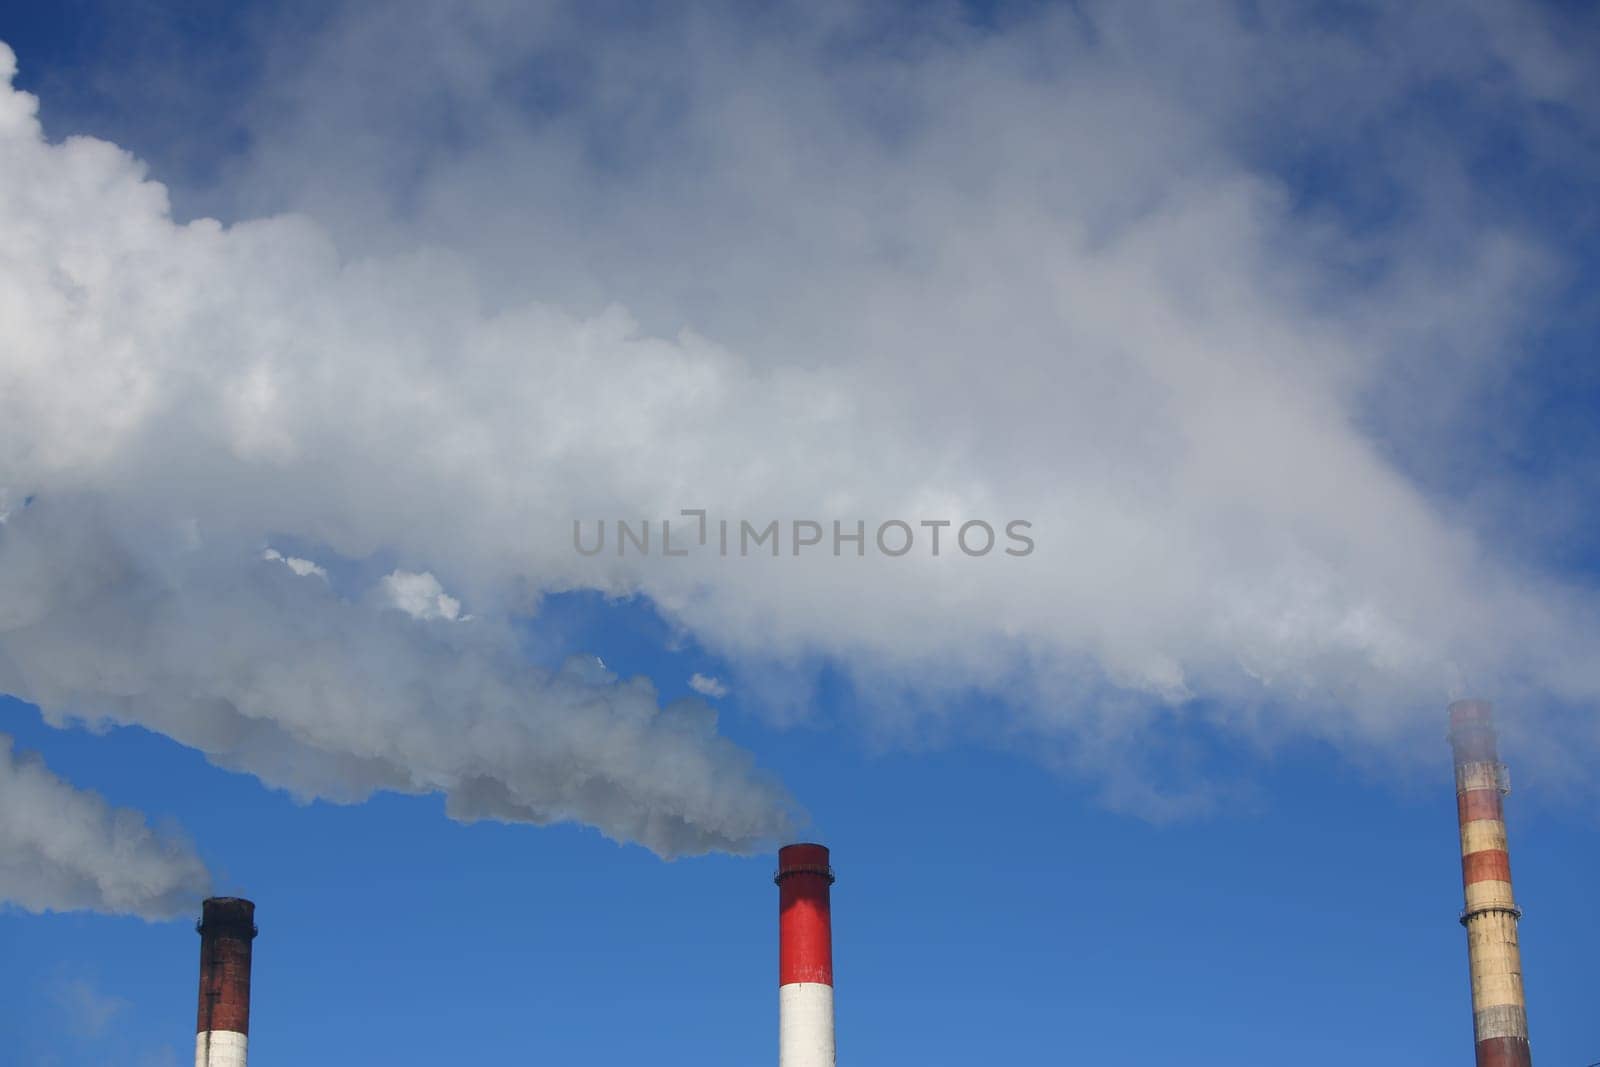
(269,672)
(65,849)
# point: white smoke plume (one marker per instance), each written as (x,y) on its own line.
(1037,278)
(64,849)
(265,670)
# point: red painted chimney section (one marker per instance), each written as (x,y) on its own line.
(805,957)
(227,927)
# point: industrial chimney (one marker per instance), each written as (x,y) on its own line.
(805,957)
(226,926)
(1499,1013)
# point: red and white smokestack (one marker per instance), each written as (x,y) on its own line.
(1499,1012)
(805,957)
(226,926)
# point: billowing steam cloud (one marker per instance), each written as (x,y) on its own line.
(265,670)
(63,849)
(124,603)
(1035,279)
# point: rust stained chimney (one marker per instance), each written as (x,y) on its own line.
(227,927)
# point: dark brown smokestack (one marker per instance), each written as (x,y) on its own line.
(1499,1013)
(227,927)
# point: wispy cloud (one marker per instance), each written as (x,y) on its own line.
(421,596)
(303,567)
(89,1009)
(707,685)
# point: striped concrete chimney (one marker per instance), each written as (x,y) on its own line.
(805,957)
(226,926)
(1499,1013)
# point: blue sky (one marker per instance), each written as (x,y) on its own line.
(983,908)
(1279,329)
